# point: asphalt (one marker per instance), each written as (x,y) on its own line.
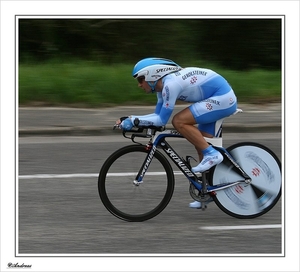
(55,121)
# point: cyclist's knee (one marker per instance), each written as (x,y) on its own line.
(177,121)
(183,118)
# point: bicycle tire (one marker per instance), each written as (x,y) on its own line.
(246,201)
(127,201)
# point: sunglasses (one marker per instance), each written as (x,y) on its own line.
(140,79)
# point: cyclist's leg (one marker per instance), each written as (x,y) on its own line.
(208,127)
(210,110)
(206,113)
(204,131)
(184,122)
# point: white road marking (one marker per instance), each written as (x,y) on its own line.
(55,176)
(242,227)
(62,176)
(267,111)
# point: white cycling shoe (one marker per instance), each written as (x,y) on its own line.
(197,204)
(208,162)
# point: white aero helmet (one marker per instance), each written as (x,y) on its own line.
(153,69)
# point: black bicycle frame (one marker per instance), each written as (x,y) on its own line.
(184,166)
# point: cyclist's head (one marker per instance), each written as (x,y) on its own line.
(153,69)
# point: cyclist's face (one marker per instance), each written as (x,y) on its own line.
(143,84)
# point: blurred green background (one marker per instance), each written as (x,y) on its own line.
(88,62)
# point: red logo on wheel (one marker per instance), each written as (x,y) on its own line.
(239,189)
(255,172)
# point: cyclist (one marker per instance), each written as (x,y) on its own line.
(210,95)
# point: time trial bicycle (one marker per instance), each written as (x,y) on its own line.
(136,182)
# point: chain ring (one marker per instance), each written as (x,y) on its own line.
(195,194)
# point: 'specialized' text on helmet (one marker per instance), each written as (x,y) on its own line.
(154,68)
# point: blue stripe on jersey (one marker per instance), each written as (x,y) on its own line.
(215,86)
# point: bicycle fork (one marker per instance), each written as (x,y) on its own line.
(139,177)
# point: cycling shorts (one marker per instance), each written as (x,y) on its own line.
(207,112)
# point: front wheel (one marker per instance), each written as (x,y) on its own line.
(258,197)
(132,202)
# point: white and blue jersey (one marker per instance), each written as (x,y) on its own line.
(211,96)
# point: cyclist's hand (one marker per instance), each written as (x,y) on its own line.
(118,122)
(126,124)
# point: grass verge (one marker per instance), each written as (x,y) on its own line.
(90,84)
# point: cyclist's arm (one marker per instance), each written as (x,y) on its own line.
(159,103)
(163,111)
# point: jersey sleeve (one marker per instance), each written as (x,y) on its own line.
(164,108)
(159,103)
